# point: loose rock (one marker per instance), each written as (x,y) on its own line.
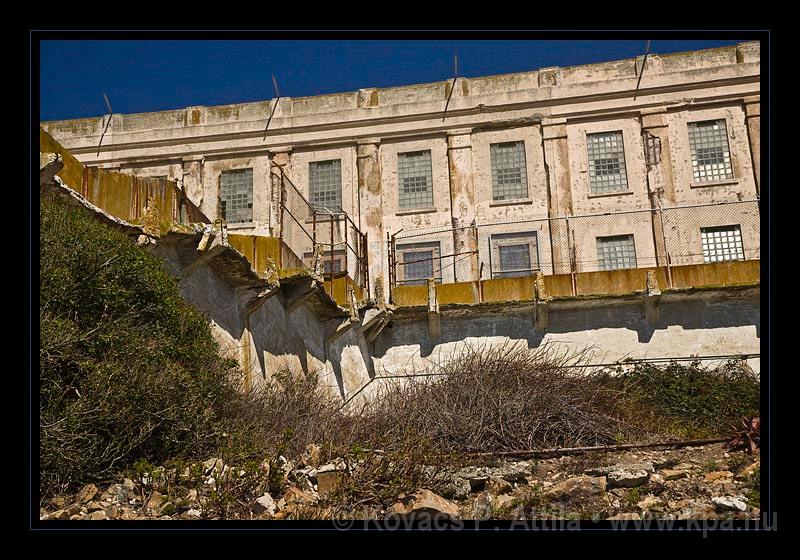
(725,503)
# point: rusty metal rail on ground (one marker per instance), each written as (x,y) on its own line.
(557,451)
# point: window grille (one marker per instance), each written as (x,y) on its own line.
(606,162)
(514,254)
(415,180)
(711,156)
(419,261)
(325,185)
(615,252)
(236,195)
(509,174)
(722,243)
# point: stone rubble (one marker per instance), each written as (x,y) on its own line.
(685,483)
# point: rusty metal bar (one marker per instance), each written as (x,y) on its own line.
(667,262)
(346,262)
(332,275)
(556,451)
(441,257)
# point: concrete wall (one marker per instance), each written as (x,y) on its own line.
(702,324)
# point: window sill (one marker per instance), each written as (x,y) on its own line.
(416,211)
(603,195)
(520,201)
(714,183)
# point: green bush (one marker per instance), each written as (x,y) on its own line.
(128,370)
(691,400)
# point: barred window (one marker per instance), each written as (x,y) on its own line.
(617,251)
(722,243)
(606,162)
(514,254)
(236,195)
(711,156)
(419,261)
(415,179)
(325,185)
(509,174)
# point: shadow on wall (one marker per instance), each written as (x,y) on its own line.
(350,357)
(698,313)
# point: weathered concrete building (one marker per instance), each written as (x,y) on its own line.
(611,179)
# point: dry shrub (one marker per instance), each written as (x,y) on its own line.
(375,476)
(501,398)
(282,416)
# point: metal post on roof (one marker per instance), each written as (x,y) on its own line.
(452,86)
(644,61)
(274,106)
(110,114)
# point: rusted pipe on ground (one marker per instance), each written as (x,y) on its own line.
(555,452)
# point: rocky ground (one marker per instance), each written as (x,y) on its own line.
(706,482)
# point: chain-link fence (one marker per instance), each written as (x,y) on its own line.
(583,243)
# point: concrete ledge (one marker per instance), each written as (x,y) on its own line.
(519,288)
(410,296)
(730,273)
(590,285)
(622,281)
(457,292)
(558,285)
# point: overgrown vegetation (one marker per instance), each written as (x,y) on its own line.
(689,400)
(131,378)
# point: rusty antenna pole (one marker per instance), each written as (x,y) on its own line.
(110,114)
(452,86)
(274,106)
(644,61)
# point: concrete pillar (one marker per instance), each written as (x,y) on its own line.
(660,179)
(752,111)
(193,179)
(434,317)
(279,161)
(559,190)
(368,163)
(462,205)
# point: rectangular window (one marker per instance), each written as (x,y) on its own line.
(236,195)
(606,162)
(617,251)
(331,265)
(722,243)
(514,254)
(415,180)
(711,157)
(418,262)
(509,174)
(325,185)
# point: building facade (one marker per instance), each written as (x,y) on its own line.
(625,164)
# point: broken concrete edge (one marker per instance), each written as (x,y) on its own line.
(49,165)
(75,199)
(195,232)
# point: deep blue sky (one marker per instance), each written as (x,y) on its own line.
(140,76)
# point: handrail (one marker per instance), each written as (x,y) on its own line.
(324,219)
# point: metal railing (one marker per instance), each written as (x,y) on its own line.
(641,238)
(304,229)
